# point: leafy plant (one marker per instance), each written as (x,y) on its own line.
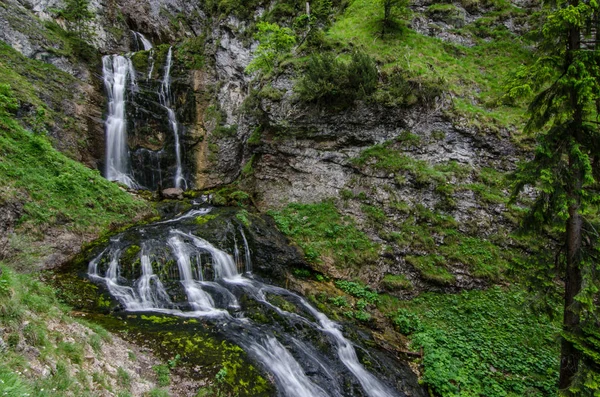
(274,42)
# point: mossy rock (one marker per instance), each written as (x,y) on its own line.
(396,282)
(447,13)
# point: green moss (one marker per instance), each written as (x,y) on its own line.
(203,219)
(140,61)
(432,268)
(242,216)
(396,282)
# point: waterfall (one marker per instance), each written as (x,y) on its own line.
(147,47)
(116,69)
(165,100)
(213,286)
(247,258)
(145,42)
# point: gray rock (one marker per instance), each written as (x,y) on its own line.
(172,194)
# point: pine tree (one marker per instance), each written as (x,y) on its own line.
(565,174)
(78,15)
(391,9)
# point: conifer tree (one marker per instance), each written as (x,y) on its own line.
(78,15)
(565,174)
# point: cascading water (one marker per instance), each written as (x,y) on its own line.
(165,100)
(184,275)
(116,70)
(147,45)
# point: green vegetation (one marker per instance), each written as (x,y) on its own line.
(274,43)
(565,176)
(392,9)
(60,191)
(33,319)
(329,80)
(469,73)
(163,374)
(324,235)
(481,343)
(78,15)
(393,282)
(388,157)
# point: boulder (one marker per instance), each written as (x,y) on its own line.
(173,193)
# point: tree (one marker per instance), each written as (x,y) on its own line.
(565,174)
(391,8)
(273,42)
(78,15)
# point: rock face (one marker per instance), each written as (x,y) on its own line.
(277,148)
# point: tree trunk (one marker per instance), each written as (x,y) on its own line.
(570,355)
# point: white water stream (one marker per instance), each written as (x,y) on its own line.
(165,100)
(210,277)
(117,70)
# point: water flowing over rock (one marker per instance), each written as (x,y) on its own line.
(117,70)
(176,272)
(165,100)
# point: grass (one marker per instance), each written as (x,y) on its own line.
(474,75)
(59,191)
(324,235)
(27,306)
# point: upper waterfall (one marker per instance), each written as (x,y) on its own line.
(165,100)
(116,70)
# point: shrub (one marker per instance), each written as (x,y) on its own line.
(328,79)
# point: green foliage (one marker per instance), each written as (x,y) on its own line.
(163,374)
(483,343)
(123,378)
(158,393)
(231,196)
(78,16)
(242,216)
(8,103)
(473,75)
(388,157)
(339,301)
(322,233)
(358,290)
(400,89)
(274,43)
(406,322)
(564,172)
(61,190)
(392,9)
(190,53)
(432,268)
(328,79)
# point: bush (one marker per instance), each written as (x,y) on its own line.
(327,79)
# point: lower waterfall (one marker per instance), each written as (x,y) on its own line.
(179,273)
